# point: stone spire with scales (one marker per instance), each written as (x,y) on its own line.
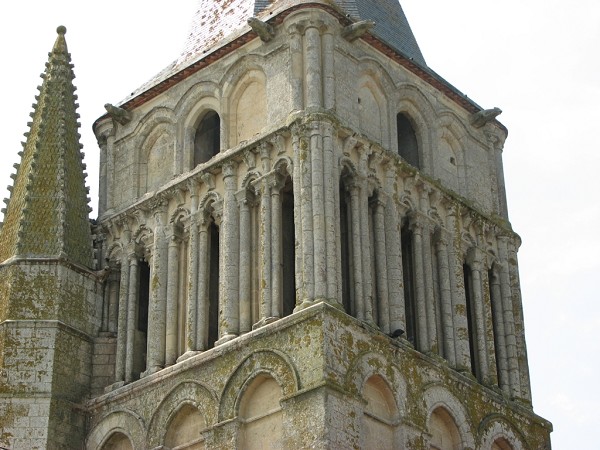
(47,215)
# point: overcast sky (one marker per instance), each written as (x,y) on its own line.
(537,60)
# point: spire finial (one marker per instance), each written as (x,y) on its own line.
(62,30)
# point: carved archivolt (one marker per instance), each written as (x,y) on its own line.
(185,393)
(122,421)
(436,396)
(268,362)
(494,427)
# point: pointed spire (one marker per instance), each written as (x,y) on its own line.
(48,213)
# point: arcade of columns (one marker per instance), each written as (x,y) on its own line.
(235,190)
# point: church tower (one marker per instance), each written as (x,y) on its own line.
(48,291)
(306,245)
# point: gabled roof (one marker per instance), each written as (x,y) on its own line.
(217,22)
(47,215)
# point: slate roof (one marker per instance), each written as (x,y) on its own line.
(47,215)
(218,21)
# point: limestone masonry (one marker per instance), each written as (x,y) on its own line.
(302,242)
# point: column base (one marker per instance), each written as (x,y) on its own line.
(112,387)
(264,321)
(187,355)
(150,371)
(226,338)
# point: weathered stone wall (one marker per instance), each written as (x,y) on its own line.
(46,348)
(321,360)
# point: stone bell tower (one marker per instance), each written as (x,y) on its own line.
(48,291)
(309,247)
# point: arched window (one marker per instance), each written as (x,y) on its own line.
(207,141)
(118,441)
(380,414)
(501,444)
(140,336)
(184,431)
(443,430)
(408,147)
(261,416)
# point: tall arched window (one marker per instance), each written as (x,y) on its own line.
(118,441)
(261,416)
(207,141)
(443,430)
(408,147)
(213,284)
(408,273)
(380,414)
(184,431)
(288,248)
(468,280)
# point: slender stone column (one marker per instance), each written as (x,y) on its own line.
(193,258)
(432,337)
(303,159)
(202,282)
(229,254)
(276,182)
(457,291)
(265,250)
(158,295)
(508,318)
(296,67)
(365,251)
(381,263)
(172,296)
(357,263)
(499,331)
(429,293)
(328,69)
(393,242)
(134,281)
(299,219)
(332,221)
(318,211)
(478,314)
(420,301)
(441,246)
(523,390)
(113,301)
(245,262)
(313,65)
(122,322)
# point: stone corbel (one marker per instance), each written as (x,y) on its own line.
(265,31)
(249,158)
(479,119)
(120,115)
(356,30)
(278,143)
(208,179)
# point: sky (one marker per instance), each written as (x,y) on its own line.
(537,60)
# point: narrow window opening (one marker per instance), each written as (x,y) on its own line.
(408,147)
(140,339)
(495,319)
(288,247)
(207,140)
(470,319)
(345,249)
(408,273)
(213,285)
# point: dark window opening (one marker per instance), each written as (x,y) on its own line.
(496,310)
(408,274)
(470,319)
(213,285)
(288,248)
(345,250)
(408,147)
(207,141)
(140,338)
